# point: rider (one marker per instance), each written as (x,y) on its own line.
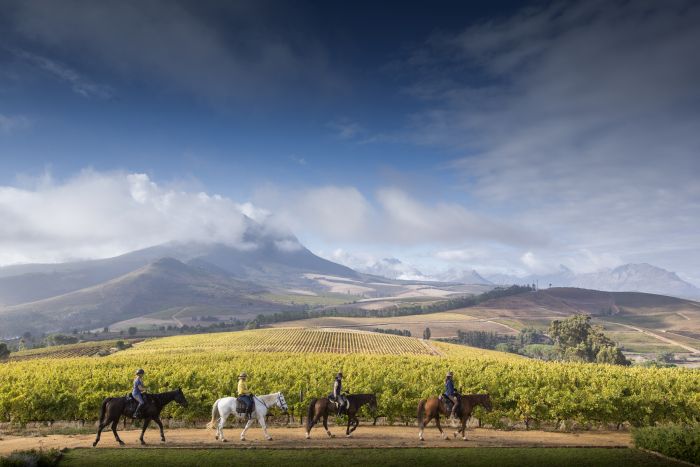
(451,392)
(337,396)
(137,392)
(244,393)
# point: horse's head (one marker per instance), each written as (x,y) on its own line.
(282,403)
(180,397)
(486,402)
(373,403)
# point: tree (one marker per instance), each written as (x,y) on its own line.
(4,351)
(132,331)
(105,330)
(426,334)
(576,339)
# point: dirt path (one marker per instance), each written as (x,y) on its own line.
(290,438)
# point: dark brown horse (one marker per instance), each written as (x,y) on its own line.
(433,407)
(323,407)
(115,407)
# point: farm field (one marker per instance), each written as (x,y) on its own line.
(515,457)
(302,363)
(83,349)
(444,324)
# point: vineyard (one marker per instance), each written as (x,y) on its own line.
(302,363)
(83,349)
(297,340)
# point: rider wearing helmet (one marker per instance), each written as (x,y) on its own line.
(450,392)
(244,394)
(137,392)
(340,400)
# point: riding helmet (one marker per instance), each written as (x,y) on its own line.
(140,371)
(450,374)
(339,375)
(243,375)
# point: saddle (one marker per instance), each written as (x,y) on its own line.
(448,402)
(244,405)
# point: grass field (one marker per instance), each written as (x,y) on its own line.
(474,457)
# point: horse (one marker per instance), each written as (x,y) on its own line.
(320,408)
(114,408)
(225,406)
(433,406)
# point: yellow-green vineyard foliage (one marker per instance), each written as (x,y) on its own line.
(294,361)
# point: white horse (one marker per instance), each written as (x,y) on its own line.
(226,406)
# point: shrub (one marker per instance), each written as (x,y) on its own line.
(678,441)
(35,457)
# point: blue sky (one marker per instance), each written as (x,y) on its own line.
(500,136)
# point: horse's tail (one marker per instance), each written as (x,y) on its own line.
(310,414)
(103,409)
(421,410)
(214,414)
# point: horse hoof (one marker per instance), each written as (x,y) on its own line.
(121,443)
(464,438)
(348,436)
(308,436)
(269,439)
(94,444)
(162,440)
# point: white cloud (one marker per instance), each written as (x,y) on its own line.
(344,214)
(577,121)
(12,123)
(103,214)
(79,84)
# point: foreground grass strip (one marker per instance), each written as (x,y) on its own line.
(474,457)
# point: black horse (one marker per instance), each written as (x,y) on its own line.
(322,407)
(115,407)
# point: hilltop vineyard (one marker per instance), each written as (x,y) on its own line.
(297,340)
(303,362)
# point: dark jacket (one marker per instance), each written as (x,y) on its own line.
(450,387)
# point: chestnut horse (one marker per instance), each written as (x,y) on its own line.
(433,407)
(322,407)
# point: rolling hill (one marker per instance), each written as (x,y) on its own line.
(160,285)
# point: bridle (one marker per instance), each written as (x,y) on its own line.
(282,404)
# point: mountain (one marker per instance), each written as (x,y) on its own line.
(626,278)
(640,278)
(264,257)
(393,268)
(464,277)
(164,284)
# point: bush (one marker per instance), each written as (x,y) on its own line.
(35,457)
(678,441)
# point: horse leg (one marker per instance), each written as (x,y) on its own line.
(146,422)
(437,423)
(263,424)
(355,424)
(347,430)
(247,425)
(220,427)
(325,425)
(114,430)
(160,425)
(99,432)
(464,428)
(313,421)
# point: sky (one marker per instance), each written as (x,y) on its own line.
(505,137)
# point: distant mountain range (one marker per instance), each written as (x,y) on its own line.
(626,278)
(268,272)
